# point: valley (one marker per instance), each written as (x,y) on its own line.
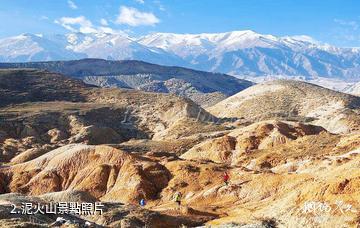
(284,145)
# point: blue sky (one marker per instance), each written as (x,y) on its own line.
(333,21)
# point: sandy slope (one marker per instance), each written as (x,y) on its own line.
(293,100)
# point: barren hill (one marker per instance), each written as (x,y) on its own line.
(241,143)
(101,171)
(26,85)
(293,100)
(42,110)
(62,140)
(202,87)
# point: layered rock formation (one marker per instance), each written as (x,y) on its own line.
(86,114)
(244,141)
(103,172)
(204,88)
(291,150)
(293,100)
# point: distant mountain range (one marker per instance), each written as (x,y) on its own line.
(204,88)
(239,53)
(353,89)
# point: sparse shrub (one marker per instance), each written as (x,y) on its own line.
(269,223)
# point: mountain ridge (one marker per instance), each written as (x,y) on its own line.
(241,53)
(64,141)
(353,89)
(288,100)
(204,88)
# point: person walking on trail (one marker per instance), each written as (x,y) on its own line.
(142,202)
(226,178)
(177,198)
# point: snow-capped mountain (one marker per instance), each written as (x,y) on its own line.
(119,47)
(353,89)
(30,47)
(241,53)
(252,54)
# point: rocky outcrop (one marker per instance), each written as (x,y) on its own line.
(295,101)
(160,145)
(104,172)
(2,183)
(86,114)
(244,141)
(204,88)
(29,154)
(114,215)
(68,196)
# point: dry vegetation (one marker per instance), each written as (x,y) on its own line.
(281,151)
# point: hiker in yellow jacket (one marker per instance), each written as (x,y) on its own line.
(177,198)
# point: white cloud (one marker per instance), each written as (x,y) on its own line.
(140,1)
(347,30)
(134,17)
(305,38)
(160,5)
(44,17)
(72,4)
(104,22)
(352,24)
(76,24)
(162,8)
(103,29)
(83,25)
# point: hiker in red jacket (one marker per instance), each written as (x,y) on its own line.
(226,178)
